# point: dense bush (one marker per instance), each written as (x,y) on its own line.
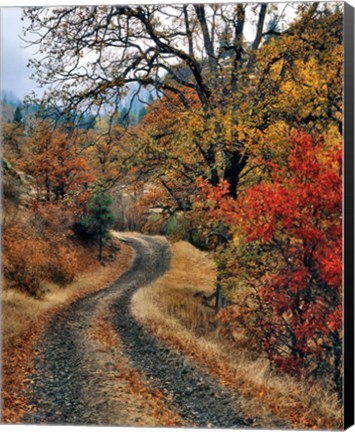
(64,264)
(26,258)
(30,258)
(284,268)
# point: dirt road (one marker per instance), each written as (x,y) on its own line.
(78,380)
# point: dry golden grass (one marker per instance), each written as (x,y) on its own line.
(130,401)
(169,308)
(24,318)
(20,311)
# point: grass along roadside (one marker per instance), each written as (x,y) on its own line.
(169,309)
(25,317)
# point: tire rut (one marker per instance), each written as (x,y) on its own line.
(198,397)
(62,378)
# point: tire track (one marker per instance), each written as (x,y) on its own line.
(198,397)
(62,376)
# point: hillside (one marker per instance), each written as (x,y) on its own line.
(30,299)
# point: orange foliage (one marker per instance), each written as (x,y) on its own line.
(14,141)
(29,259)
(16,365)
(18,351)
(25,258)
(65,264)
(59,173)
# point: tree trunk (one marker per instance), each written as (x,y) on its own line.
(100,245)
(337,375)
(235,163)
(220,300)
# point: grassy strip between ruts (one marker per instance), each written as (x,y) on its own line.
(170,310)
(131,402)
(24,318)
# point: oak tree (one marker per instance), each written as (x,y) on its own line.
(91,54)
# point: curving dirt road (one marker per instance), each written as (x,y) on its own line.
(76,381)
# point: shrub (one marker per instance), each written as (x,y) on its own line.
(25,259)
(288,253)
(64,265)
(30,258)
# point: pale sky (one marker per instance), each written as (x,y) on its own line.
(14,57)
(14,54)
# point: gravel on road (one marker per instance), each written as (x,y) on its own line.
(63,389)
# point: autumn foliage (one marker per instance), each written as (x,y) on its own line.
(239,152)
(60,174)
(30,257)
(286,260)
(37,244)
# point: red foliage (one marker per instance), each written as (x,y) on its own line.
(294,221)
